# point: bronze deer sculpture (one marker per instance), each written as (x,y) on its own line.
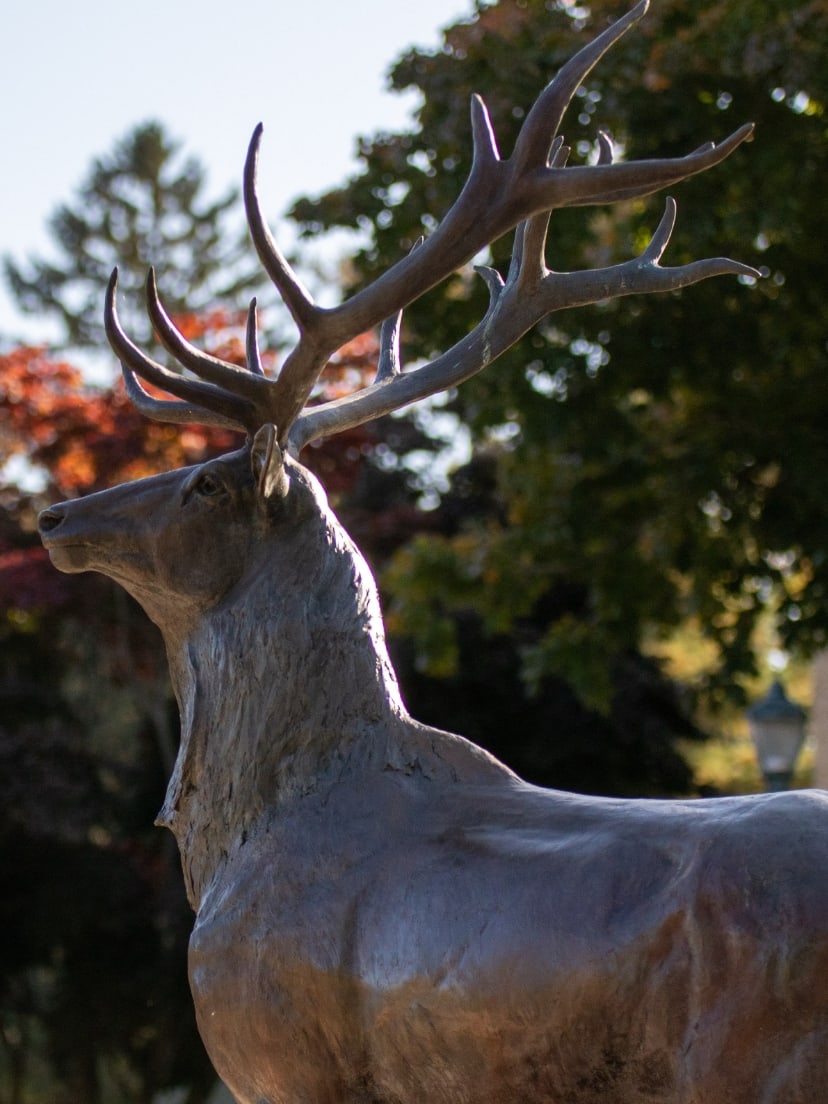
(384,912)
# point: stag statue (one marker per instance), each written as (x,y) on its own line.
(385,914)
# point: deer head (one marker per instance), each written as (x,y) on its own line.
(186,536)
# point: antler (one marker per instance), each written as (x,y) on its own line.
(530,292)
(497,196)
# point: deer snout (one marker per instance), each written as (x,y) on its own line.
(49,520)
(67,544)
(55,527)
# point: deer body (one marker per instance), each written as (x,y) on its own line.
(384,913)
(503,945)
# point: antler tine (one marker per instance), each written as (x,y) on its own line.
(605,148)
(201,400)
(229,377)
(388,364)
(528,255)
(166,410)
(251,345)
(545,116)
(528,295)
(610,181)
(296,297)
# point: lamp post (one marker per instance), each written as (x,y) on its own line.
(777,728)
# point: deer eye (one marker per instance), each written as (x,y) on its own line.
(203,484)
(207,485)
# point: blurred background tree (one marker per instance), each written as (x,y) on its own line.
(142,204)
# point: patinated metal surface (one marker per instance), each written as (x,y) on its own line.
(385,913)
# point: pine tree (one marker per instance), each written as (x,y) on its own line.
(143,204)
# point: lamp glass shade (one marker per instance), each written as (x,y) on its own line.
(777,728)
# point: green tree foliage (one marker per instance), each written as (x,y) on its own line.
(467,672)
(143,204)
(660,458)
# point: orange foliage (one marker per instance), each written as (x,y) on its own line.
(350,369)
(208,324)
(84,438)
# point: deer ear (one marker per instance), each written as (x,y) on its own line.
(268,464)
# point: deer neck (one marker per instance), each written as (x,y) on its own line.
(282,688)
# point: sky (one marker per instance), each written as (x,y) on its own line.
(77,76)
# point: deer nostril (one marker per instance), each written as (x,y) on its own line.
(48,520)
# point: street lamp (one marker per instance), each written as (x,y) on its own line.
(777,728)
